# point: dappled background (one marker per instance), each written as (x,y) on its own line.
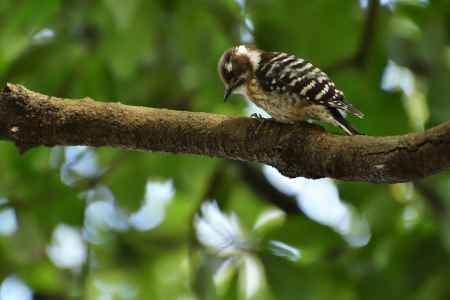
(79,222)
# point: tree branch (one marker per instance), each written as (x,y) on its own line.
(32,119)
(261,186)
(359,59)
(432,198)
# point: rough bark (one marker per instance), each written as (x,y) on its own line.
(32,119)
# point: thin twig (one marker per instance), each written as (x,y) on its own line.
(261,186)
(432,198)
(359,58)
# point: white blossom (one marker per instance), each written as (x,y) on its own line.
(223,236)
(218,232)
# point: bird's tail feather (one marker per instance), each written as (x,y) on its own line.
(350,108)
(343,123)
(346,106)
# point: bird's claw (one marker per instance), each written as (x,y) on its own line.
(257,116)
(261,120)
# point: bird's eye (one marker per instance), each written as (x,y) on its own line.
(226,71)
(237,69)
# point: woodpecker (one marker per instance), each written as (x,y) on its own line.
(288,88)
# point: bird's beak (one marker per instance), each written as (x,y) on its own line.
(228,91)
(231,87)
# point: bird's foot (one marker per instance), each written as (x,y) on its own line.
(258,117)
(261,122)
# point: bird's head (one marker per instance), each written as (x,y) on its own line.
(236,66)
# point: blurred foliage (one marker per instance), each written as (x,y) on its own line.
(164,54)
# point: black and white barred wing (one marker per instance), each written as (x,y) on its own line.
(285,73)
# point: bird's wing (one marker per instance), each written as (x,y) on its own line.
(284,73)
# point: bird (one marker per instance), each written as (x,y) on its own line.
(290,89)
